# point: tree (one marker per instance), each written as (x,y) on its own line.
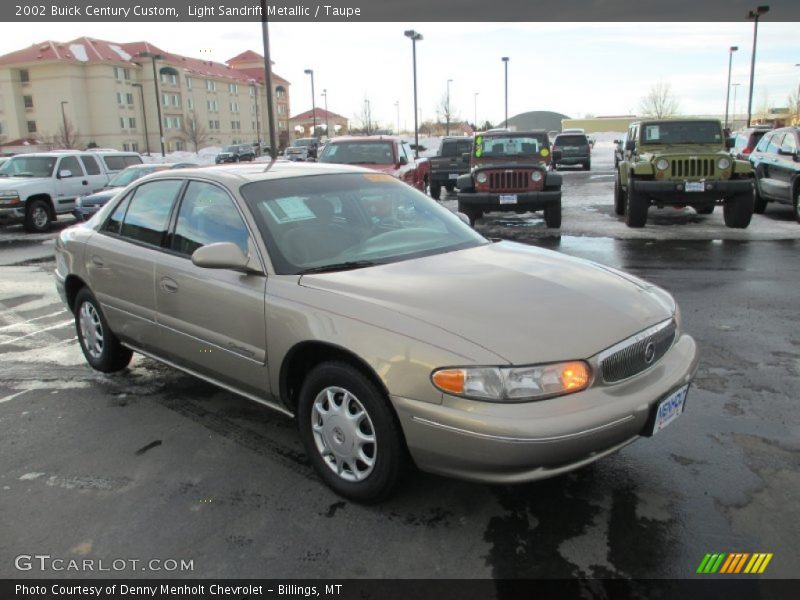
(659,102)
(364,119)
(445,109)
(67,136)
(487,125)
(194,131)
(793,102)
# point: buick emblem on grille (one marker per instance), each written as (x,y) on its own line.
(649,352)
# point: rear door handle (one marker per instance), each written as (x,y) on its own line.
(85,182)
(168,285)
(97,261)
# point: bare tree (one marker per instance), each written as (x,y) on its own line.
(364,119)
(659,102)
(793,102)
(445,109)
(194,131)
(67,136)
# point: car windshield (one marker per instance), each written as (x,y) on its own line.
(571,140)
(503,146)
(28,166)
(358,153)
(353,220)
(230,148)
(682,132)
(303,142)
(127,176)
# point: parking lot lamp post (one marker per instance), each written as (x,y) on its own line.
(754,14)
(728,89)
(254,87)
(273,138)
(154,58)
(414,37)
(397,106)
(475,109)
(735,86)
(447,114)
(64,121)
(144,117)
(325,95)
(505,62)
(313,104)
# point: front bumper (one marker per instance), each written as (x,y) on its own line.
(513,443)
(574,160)
(225,159)
(12,215)
(667,191)
(443,177)
(489,202)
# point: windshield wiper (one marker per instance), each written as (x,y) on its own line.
(342,266)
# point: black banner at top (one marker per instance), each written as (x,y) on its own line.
(404,11)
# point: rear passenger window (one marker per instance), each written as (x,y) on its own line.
(70,163)
(789,144)
(114,223)
(148,213)
(207,215)
(774,143)
(90,165)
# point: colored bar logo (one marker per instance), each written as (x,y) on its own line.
(734,563)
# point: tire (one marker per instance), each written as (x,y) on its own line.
(704,210)
(797,202)
(759,202)
(449,186)
(738,211)
(552,215)
(38,217)
(635,207)
(330,390)
(436,190)
(587,166)
(100,346)
(619,196)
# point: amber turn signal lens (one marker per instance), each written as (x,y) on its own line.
(575,375)
(450,380)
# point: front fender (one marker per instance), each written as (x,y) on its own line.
(464,182)
(742,167)
(643,169)
(552,179)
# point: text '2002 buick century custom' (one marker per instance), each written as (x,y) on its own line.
(391,330)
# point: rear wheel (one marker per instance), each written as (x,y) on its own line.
(797,202)
(100,346)
(552,215)
(587,166)
(37,216)
(760,203)
(704,210)
(738,211)
(436,190)
(619,196)
(350,433)
(635,207)
(449,186)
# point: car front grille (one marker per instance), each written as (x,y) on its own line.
(692,167)
(638,353)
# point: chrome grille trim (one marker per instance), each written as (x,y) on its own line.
(514,180)
(627,358)
(693,167)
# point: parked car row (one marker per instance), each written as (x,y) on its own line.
(776,163)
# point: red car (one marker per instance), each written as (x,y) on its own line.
(386,154)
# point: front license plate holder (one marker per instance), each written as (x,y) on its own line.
(695,186)
(508,198)
(669,408)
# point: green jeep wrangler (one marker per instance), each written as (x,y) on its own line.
(681,163)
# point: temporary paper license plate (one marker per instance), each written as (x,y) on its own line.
(508,198)
(670,408)
(453,175)
(695,186)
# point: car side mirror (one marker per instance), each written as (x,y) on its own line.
(557,154)
(463,217)
(403,160)
(64,173)
(730,142)
(221,255)
(630,145)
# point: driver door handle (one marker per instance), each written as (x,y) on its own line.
(168,285)
(85,182)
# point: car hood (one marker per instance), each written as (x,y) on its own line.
(8,183)
(102,196)
(525,304)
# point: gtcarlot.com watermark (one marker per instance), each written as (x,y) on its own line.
(48,563)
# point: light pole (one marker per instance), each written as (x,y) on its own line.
(475,108)
(273,141)
(728,89)
(754,14)
(397,106)
(64,120)
(368,115)
(797,108)
(154,58)
(258,127)
(447,112)
(733,116)
(325,95)
(144,117)
(505,62)
(414,37)
(313,103)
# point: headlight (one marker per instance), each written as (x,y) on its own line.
(662,164)
(9,194)
(536,175)
(481,177)
(723,163)
(514,384)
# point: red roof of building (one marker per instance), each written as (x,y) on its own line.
(25,142)
(89,50)
(246,56)
(321,112)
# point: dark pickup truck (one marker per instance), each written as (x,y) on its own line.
(448,164)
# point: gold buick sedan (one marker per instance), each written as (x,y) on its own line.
(392,331)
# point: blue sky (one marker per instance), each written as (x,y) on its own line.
(573,68)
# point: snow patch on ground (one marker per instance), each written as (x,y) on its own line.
(79,52)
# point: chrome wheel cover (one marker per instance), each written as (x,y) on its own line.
(40,217)
(91,330)
(344,434)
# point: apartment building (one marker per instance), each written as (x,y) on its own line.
(111,95)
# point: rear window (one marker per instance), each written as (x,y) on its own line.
(117,163)
(456,148)
(571,140)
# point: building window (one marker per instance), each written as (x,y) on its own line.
(28,101)
(211,85)
(171,78)
(31,126)
(281,124)
(252,91)
(24,76)
(234,107)
(172,122)
(2,128)
(236,124)
(190,103)
(122,74)
(124,98)
(188,82)
(212,106)
(233,88)
(129,98)
(281,109)
(253,125)
(131,122)
(122,122)
(280,92)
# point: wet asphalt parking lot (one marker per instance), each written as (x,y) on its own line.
(153,464)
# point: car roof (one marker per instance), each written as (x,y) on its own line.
(365,138)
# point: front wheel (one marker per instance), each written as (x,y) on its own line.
(635,207)
(449,186)
(100,346)
(552,215)
(37,217)
(738,211)
(619,196)
(797,203)
(759,202)
(436,190)
(350,433)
